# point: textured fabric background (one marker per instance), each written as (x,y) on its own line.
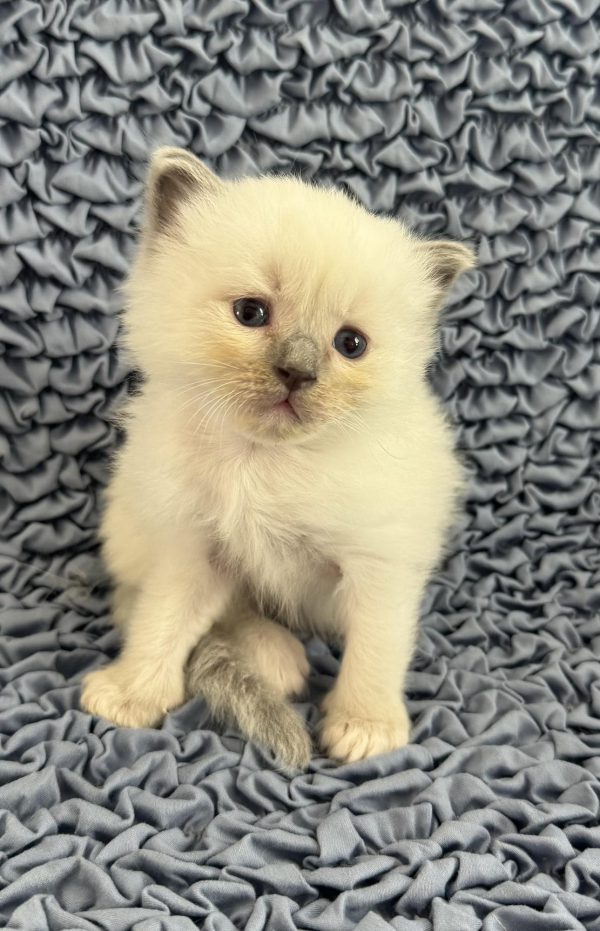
(477,119)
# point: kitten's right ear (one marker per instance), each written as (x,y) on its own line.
(175,177)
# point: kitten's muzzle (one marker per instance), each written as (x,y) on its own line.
(296,362)
(294,378)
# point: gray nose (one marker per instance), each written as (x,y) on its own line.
(293,378)
(296,361)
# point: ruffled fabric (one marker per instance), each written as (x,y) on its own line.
(476,120)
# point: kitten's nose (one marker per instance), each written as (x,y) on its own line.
(293,377)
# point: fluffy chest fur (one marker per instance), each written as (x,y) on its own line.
(281,517)
(265,526)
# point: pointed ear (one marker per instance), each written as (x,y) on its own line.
(175,177)
(446,260)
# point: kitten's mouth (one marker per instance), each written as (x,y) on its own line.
(286,407)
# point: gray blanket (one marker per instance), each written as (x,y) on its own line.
(473,119)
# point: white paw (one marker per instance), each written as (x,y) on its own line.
(111,694)
(348,735)
(282,662)
(291,672)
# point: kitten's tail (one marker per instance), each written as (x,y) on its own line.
(238,696)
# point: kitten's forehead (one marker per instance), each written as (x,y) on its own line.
(303,246)
(317,299)
(317,256)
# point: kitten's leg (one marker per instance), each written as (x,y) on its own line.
(273,652)
(176,605)
(127,549)
(365,712)
(123,601)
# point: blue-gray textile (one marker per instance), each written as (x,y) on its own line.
(472,119)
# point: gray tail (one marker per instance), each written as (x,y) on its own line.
(239,697)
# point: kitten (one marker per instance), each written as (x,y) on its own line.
(286,458)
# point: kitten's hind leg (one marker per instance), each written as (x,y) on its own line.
(274,653)
(243,669)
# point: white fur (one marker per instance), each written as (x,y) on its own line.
(338,520)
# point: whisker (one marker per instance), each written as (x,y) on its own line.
(219,405)
(209,363)
(206,395)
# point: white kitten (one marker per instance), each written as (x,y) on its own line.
(286,456)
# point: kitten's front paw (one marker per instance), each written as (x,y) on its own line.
(108,693)
(349,735)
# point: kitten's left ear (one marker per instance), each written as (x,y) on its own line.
(446,260)
(175,176)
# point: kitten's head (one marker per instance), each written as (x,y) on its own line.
(276,309)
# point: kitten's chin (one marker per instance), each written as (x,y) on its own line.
(282,422)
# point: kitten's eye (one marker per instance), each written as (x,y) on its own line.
(251,311)
(350,343)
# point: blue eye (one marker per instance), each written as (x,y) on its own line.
(350,343)
(251,311)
